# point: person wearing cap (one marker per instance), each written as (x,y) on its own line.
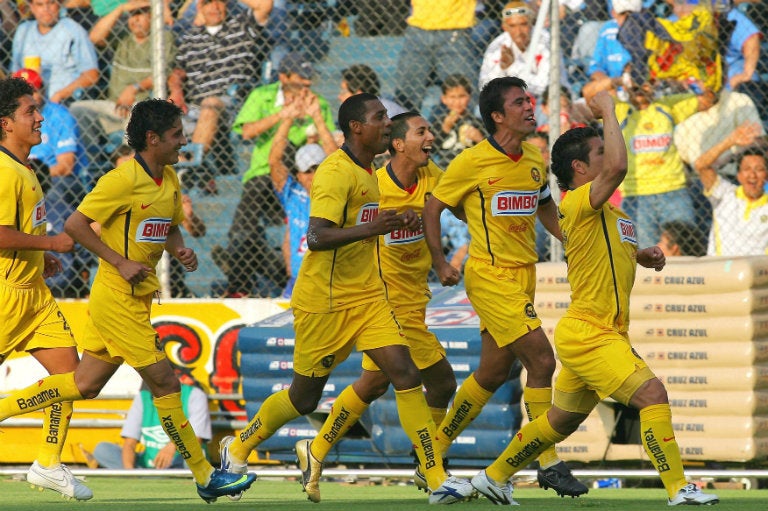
(30,319)
(130,78)
(226,50)
(289,98)
(510,53)
(59,162)
(67,57)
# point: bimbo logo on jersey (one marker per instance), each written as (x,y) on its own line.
(368,213)
(514,203)
(39,216)
(153,230)
(626,230)
(651,143)
(403,236)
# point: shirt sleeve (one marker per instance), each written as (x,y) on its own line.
(9,198)
(132,424)
(329,196)
(200,414)
(107,199)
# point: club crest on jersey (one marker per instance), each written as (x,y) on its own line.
(515,203)
(39,216)
(530,311)
(153,230)
(536,174)
(626,230)
(403,236)
(368,213)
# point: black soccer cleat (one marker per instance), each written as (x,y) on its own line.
(560,479)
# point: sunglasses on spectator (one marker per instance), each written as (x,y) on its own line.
(516,11)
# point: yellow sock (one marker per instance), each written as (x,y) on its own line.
(275,411)
(438,414)
(659,442)
(346,410)
(417,424)
(525,446)
(468,403)
(51,389)
(56,420)
(180,431)
(537,402)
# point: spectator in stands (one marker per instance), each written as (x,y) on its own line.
(58,162)
(192,223)
(455,126)
(359,78)
(57,48)
(509,53)
(145,443)
(437,40)
(292,188)
(609,62)
(258,120)
(739,213)
(655,190)
(680,239)
(130,77)
(567,121)
(227,50)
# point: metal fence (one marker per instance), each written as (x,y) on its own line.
(435,61)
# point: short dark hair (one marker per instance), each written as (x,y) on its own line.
(354,109)
(400,127)
(563,92)
(151,114)
(360,77)
(456,80)
(685,236)
(11,90)
(572,145)
(751,151)
(492,98)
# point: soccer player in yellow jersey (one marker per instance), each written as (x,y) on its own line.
(404,183)
(138,206)
(501,184)
(30,320)
(339,303)
(592,338)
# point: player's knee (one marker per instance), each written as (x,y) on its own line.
(89,390)
(372,392)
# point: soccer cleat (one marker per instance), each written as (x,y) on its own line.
(499,495)
(311,469)
(225,484)
(420,480)
(451,491)
(227,465)
(560,479)
(58,478)
(691,495)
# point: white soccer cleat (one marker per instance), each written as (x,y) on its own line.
(59,479)
(499,495)
(311,470)
(227,465)
(420,480)
(452,490)
(691,495)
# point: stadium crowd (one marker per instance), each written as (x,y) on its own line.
(250,73)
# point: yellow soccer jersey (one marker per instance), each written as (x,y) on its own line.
(136,215)
(500,197)
(653,164)
(330,280)
(403,255)
(22,206)
(600,249)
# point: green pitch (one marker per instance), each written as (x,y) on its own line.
(176,494)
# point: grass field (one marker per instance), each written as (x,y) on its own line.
(175,494)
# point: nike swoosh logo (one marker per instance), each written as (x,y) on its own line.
(363,193)
(494,181)
(34,188)
(240,481)
(145,206)
(184,425)
(61,482)
(668,439)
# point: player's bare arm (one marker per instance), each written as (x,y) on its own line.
(651,257)
(12,239)
(614,151)
(430,218)
(323,234)
(174,244)
(78,226)
(547,213)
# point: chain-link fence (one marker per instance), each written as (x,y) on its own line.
(224,61)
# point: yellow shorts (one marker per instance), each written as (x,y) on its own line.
(597,362)
(119,328)
(425,349)
(503,299)
(323,341)
(31,319)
